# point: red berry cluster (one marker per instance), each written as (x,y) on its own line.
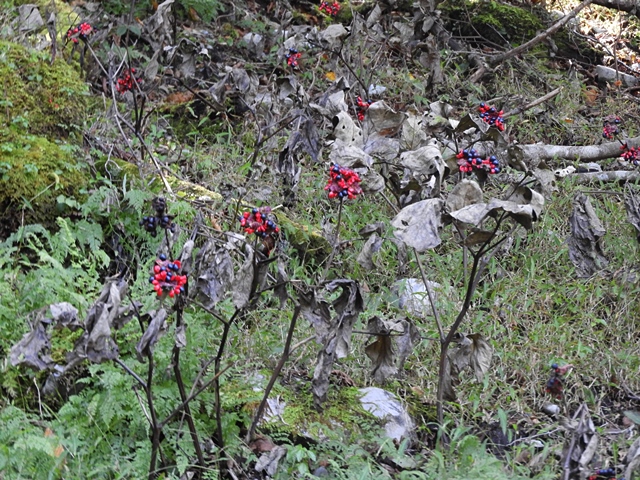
(491,116)
(363,106)
(127,80)
(601,474)
(258,221)
(292,57)
(555,384)
(81,32)
(610,127)
(343,182)
(470,159)
(165,278)
(631,154)
(332,9)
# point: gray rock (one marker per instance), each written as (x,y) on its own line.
(398,424)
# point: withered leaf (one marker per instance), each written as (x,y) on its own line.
(380,351)
(33,349)
(243,282)
(333,332)
(65,315)
(473,352)
(465,193)
(214,274)
(96,342)
(382,119)
(370,248)
(418,224)
(144,348)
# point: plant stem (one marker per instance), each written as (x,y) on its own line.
(155,427)
(274,375)
(432,298)
(183,397)
(336,243)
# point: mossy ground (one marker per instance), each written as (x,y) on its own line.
(43,106)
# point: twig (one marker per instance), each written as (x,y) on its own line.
(535,103)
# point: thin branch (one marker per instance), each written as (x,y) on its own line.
(535,103)
(493,61)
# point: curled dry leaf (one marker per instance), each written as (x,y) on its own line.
(370,248)
(633,459)
(425,162)
(413,135)
(333,332)
(418,224)
(380,351)
(465,193)
(214,274)
(346,131)
(473,352)
(393,343)
(524,213)
(150,337)
(32,350)
(381,119)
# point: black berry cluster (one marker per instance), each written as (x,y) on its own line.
(81,31)
(331,9)
(127,80)
(160,219)
(363,106)
(166,277)
(259,221)
(292,57)
(611,126)
(491,116)
(469,159)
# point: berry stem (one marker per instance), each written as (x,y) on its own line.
(336,243)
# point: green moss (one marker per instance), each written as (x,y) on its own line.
(40,97)
(62,342)
(343,417)
(37,170)
(497,21)
(303,238)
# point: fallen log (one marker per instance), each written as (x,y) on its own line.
(529,156)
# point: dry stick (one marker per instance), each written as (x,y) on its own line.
(492,61)
(539,38)
(535,103)
(274,375)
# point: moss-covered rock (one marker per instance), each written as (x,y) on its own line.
(41,104)
(38,96)
(497,22)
